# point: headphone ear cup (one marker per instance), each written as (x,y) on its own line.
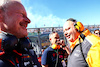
(54,46)
(9,42)
(58,46)
(79,26)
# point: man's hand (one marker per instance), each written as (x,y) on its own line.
(62,43)
(63,46)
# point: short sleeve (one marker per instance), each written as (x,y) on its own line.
(44,58)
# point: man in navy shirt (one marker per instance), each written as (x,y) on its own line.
(54,54)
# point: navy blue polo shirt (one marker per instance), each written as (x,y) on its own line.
(50,55)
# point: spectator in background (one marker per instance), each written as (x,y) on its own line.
(84,46)
(97,32)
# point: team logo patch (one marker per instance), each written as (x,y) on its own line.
(53,54)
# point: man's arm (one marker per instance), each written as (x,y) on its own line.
(63,46)
(93,56)
(44,59)
(67,49)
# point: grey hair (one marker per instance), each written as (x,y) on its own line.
(71,19)
(4,3)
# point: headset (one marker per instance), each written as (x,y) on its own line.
(9,42)
(54,46)
(79,26)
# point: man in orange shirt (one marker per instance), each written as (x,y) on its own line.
(84,46)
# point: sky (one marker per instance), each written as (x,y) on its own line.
(54,13)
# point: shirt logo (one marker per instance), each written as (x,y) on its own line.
(77,53)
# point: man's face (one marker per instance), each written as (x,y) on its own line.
(69,31)
(54,38)
(15,20)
